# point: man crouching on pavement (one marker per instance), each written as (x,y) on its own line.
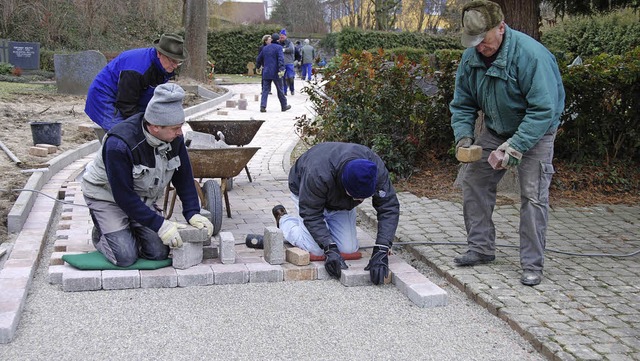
(327,182)
(137,160)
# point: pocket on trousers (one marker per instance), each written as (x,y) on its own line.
(546,173)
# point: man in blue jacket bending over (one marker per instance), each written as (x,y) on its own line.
(125,86)
(327,183)
(516,82)
(138,158)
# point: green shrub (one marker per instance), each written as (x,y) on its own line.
(615,33)
(356,39)
(385,102)
(5,68)
(231,49)
(601,121)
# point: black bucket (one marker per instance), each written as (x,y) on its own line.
(46,133)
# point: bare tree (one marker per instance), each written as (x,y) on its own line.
(304,16)
(196,39)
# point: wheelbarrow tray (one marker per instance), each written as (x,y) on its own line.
(236,132)
(220,162)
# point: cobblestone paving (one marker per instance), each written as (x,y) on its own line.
(586,308)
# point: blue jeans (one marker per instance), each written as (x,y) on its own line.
(341,225)
(289,75)
(266,88)
(306,71)
(479,186)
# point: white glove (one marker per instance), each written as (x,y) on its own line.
(512,157)
(200,221)
(169,234)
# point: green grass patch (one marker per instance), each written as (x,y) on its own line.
(11,90)
(223,79)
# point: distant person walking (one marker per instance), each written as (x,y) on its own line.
(125,85)
(289,58)
(308,56)
(271,59)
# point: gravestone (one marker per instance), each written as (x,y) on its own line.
(250,67)
(23,55)
(75,72)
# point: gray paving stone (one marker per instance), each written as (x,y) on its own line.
(8,325)
(55,272)
(160,278)
(200,275)
(189,255)
(226,248)
(427,295)
(274,252)
(224,274)
(120,279)
(264,272)
(76,280)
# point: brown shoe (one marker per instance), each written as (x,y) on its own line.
(278,211)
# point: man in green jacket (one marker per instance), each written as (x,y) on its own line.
(516,83)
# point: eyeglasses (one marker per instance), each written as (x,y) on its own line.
(174,62)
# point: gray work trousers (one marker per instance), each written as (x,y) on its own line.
(123,240)
(479,186)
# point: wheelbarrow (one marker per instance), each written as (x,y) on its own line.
(223,163)
(236,132)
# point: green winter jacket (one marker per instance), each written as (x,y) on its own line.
(521,94)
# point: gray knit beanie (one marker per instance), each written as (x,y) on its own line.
(165,107)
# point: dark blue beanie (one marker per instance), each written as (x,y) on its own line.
(359,178)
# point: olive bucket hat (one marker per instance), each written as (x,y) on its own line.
(171,45)
(478,17)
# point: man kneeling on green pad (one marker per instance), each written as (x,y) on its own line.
(137,160)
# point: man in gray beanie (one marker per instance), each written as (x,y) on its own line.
(138,159)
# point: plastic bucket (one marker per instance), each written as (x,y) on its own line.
(46,133)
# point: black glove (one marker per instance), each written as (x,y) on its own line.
(334,264)
(378,266)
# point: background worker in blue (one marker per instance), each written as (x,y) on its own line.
(516,82)
(126,84)
(327,183)
(137,160)
(271,59)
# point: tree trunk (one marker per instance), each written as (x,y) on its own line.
(522,15)
(196,40)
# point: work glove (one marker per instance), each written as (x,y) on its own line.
(512,157)
(465,142)
(169,234)
(334,264)
(280,74)
(378,266)
(200,221)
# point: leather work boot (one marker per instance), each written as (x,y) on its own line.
(472,258)
(531,277)
(278,211)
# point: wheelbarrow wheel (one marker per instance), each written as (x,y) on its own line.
(213,203)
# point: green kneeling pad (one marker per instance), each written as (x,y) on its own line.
(97,261)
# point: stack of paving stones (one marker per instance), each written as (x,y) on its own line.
(232,263)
